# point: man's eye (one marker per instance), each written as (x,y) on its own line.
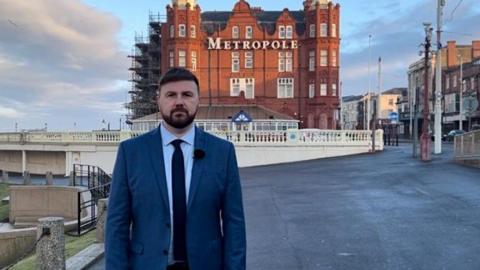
(188,94)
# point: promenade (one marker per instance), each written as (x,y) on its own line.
(381,211)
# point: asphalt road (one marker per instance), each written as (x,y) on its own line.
(380,211)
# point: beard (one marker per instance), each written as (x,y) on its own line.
(179,118)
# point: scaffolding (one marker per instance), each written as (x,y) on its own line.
(145,69)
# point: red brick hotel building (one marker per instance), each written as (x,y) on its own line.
(286,61)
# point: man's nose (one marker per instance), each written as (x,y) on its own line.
(179,100)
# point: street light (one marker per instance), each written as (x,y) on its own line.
(460,124)
(425,140)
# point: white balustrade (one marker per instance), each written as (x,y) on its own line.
(292,136)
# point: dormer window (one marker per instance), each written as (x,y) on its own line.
(323,30)
(193,31)
(312,30)
(248,32)
(281,31)
(235,32)
(172,31)
(289,32)
(182,31)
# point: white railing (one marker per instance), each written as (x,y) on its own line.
(293,136)
(467,146)
(95,137)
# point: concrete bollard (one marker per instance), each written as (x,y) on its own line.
(102,219)
(49,176)
(70,179)
(27,180)
(4,177)
(51,246)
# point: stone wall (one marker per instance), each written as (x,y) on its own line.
(29,203)
(14,243)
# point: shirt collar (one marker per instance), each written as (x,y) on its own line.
(168,137)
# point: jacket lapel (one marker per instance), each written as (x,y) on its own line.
(155,150)
(198,164)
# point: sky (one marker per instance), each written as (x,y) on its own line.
(64,65)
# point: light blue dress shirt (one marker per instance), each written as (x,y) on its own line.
(187,149)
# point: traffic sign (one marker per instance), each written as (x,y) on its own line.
(393,116)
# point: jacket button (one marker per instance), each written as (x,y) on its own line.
(165,252)
(168,225)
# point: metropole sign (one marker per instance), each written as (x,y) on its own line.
(219,44)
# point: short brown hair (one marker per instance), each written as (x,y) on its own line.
(178,74)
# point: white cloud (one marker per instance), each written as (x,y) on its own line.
(10,113)
(60,61)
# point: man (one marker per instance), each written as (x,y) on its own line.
(175,200)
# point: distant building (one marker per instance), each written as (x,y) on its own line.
(450,59)
(355,108)
(351,112)
(284,61)
(452,83)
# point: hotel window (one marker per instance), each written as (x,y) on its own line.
(390,101)
(289,32)
(193,31)
(289,62)
(311,61)
(182,30)
(172,59)
(323,30)
(182,58)
(312,30)
(334,89)
(235,32)
(455,81)
(248,32)
(234,87)
(285,87)
(472,83)
(323,89)
(281,31)
(334,58)
(311,90)
(281,61)
(249,88)
(249,59)
(246,85)
(194,61)
(447,79)
(334,30)
(323,58)
(172,31)
(235,61)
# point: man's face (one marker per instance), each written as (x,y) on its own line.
(178,103)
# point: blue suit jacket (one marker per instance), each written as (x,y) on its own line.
(138,199)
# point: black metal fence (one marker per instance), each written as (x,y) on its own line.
(97,184)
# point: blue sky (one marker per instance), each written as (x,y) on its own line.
(65,63)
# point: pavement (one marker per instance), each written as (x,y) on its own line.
(373,211)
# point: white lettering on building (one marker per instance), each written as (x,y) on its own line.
(219,44)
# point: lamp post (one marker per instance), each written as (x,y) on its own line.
(460,124)
(438,81)
(425,140)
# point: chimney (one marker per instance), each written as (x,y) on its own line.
(475,49)
(451,53)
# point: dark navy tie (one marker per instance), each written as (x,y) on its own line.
(179,203)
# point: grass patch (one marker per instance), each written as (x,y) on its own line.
(73,245)
(4,208)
